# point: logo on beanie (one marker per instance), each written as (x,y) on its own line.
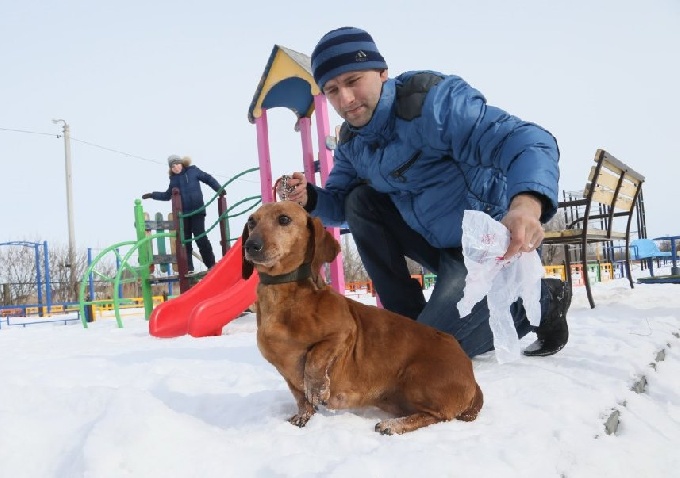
(361,56)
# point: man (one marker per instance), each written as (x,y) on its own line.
(414,153)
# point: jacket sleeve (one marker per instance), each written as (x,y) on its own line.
(330,200)
(208,179)
(162,195)
(482,135)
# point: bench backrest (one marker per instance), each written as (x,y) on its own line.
(613,185)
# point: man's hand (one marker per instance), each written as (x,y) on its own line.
(146,196)
(296,190)
(523,222)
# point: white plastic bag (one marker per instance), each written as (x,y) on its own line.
(501,281)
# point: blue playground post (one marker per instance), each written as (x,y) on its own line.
(48,284)
(120,286)
(39,285)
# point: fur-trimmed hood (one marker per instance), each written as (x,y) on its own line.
(186,162)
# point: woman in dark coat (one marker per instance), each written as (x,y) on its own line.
(188,178)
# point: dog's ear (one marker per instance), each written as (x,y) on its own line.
(311,243)
(329,248)
(246,266)
(322,246)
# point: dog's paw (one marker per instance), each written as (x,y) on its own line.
(325,392)
(300,419)
(398,426)
(318,393)
(316,398)
(385,427)
(392,426)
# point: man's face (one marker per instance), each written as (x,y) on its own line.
(355,94)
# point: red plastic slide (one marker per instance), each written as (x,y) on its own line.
(208,306)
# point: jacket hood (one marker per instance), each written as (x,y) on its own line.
(186,162)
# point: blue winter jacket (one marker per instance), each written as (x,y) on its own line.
(189,184)
(459,154)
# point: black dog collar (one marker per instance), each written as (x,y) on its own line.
(301,273)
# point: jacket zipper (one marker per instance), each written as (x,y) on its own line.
(398,174)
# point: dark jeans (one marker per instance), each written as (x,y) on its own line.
(195,226)
(383,239)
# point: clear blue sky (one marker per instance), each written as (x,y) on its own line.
(152,79)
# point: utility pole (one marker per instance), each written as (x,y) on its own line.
(69,205)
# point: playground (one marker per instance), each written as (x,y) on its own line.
(202,304)
(209,301)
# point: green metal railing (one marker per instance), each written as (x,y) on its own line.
(142,247)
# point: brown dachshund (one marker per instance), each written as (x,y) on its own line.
(337,352)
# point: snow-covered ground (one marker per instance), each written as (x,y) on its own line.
(109,402)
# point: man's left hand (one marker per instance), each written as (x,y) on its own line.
(523,222)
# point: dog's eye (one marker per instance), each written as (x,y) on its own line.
(284,220)
(251,222)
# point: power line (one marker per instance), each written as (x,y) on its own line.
(116,151)
(105,148)
(29,132)
(143,158)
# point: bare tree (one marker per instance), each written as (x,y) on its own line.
(553,254)
(19,273)
(352,266)
(414,267)
(665,246)
(103,275)
(60,275)
(18,270)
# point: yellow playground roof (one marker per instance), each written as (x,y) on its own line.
(287,81)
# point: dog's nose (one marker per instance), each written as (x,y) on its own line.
(253,246)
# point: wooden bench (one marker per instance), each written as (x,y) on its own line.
(608,202)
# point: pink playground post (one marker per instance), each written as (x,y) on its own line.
(287,82)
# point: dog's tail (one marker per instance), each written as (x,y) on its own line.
(475,406)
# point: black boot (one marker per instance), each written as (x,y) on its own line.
(553,332)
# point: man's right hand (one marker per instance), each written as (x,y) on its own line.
(296,191)
(146,196)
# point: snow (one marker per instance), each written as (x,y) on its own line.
(109,402)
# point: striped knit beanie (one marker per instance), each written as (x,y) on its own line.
(342,50)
